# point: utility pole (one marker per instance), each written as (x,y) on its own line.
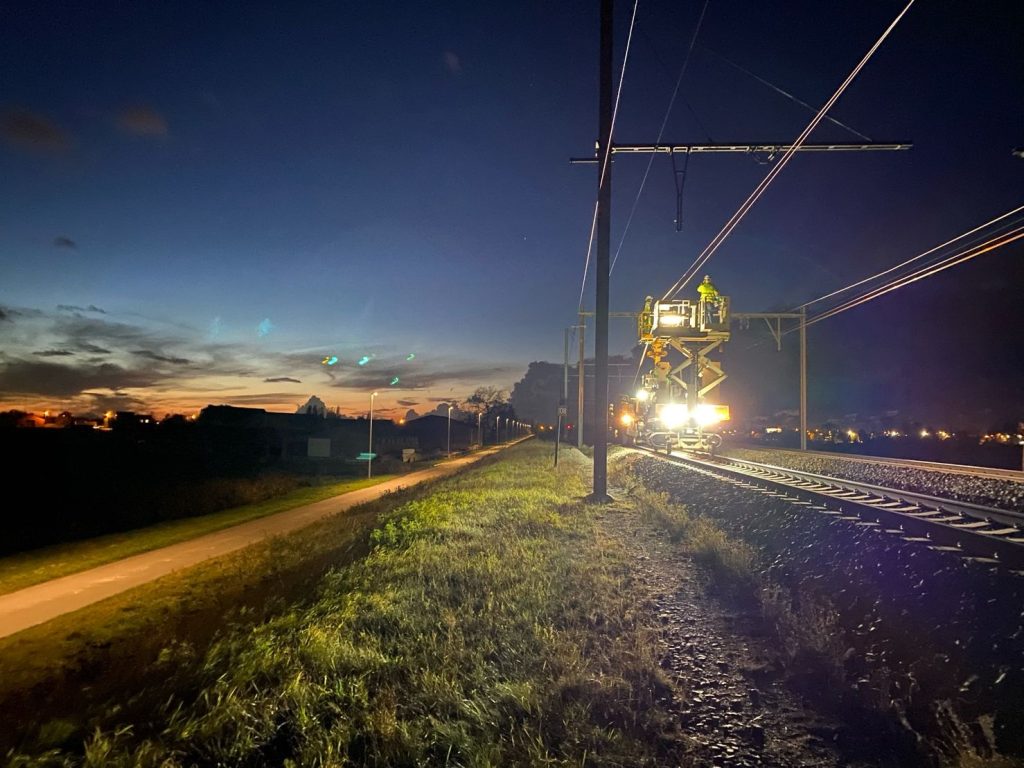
(803,378)
(601,266)
(579,389)
(565,368)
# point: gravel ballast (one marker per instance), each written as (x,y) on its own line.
(1004,494)
(933,640)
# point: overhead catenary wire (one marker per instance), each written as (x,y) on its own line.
(661,132)
(998,241)
(782,92)
(970,250)
(759,190)
(607,152)
(902,264)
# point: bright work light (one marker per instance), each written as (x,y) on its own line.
(706,414)
(674,415)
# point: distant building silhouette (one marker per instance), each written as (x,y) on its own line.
(314,407)
(288,435)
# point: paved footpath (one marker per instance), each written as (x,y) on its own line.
(42,602)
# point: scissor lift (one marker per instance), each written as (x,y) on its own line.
(673,413)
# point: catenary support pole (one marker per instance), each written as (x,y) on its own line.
(579,387)
(803,379)
(601,266)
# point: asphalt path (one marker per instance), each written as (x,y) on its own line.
(42,602)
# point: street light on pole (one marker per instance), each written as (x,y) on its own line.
(450,431)
(369,457)
(480,428)
(497,430)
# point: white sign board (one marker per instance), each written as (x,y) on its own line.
(318,448)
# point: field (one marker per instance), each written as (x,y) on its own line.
(484,620)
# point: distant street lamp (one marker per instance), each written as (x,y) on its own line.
(497,430)
(450,431)
(480,428)
(369,457)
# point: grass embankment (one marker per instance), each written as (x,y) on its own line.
(28,568)
(489,624)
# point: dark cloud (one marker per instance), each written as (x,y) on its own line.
(87,347)
(442,410)
(29,130)
(78,330)
(160,358)
(283,378)
(29,377)
(408,403)
(63,241)
(142,121)
(75,307)
(274,398)
(422,376)
(8,314)
(54,353)
(439,400)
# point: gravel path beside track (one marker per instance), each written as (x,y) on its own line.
(735,709)
(40,603)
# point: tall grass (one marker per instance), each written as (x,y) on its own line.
(490,624)
(732,562)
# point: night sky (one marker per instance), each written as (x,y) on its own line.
(199,202)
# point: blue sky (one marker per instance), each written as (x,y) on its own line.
(387,179)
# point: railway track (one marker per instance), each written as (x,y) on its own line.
(993,473)
(978,533)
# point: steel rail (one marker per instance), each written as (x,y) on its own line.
(979,533)
(992,473)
